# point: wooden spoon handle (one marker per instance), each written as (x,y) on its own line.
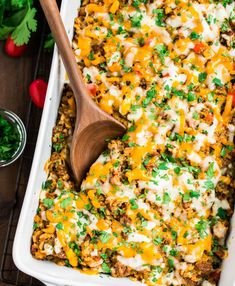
(52,14)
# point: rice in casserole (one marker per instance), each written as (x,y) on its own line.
(156,204)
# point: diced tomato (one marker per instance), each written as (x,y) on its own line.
(232,93)
(166,75)
(148,41)
(92,88)
(209,118)
(138,73)
(12,50)
(199,48)
(37,91)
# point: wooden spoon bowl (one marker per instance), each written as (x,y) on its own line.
(93,126)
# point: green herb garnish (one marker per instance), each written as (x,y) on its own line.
(9,139)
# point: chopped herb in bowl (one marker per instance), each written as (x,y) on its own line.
(9,139)
(12,137)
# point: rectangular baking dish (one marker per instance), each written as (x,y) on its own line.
(49,273)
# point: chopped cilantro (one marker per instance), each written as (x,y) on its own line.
(163,166)
(125,138)
(210,171)
(202,227)
(133,203)
(66,203)
(106,268)
(177,170)
(171,263)
(166,198)
(222,213)
(217,82)
(91,56)
(104,237)
(88,207)
(194,36)
(157,240)
(9,139)
(194,194)
(162,52)
(136,20)
(209,185)
(202,77)
(159,17)
(48,202)
(195,115)
(191,96)
(173,252)
(59,226)
(116,164)
(150,94)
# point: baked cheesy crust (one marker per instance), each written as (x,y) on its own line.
(156,204)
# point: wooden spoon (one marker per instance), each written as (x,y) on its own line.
(93,125)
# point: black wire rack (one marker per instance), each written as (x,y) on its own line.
(9,272)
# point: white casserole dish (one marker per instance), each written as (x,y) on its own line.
(48,272)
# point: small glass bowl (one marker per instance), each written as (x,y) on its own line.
(12,118)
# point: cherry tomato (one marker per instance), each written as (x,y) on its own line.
(232,93)
(12,50)
(92,88)
(199,48)
(37,91)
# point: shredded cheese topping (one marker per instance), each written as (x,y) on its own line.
(156,205)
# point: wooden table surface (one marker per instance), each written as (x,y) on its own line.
(15,77)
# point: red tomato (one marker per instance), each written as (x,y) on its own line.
(37,91)
(92,88)
(166,75)
(12,50)
(232,93)
(139,73)
(199,48)
(209,118)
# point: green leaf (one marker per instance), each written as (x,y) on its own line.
(22,33)
(209,185)
(66,203)
(202,227)
(106,268)
(105,237)
(133,203)
(222,213)
(223,152)
(59,226)
(162,52)
(171,263)
(163,166)
(88,207)
(202,77)
(217,82)
(166,198)
(191,96)
(194,194)
(210,171)
(48,202)
(136,20)
(150,94)
(194,36)
(177,170)
(157,240)
(159,17)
